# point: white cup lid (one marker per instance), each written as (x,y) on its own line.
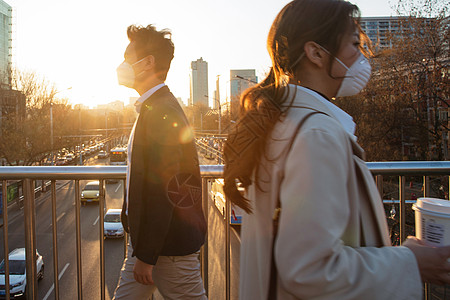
(434,204)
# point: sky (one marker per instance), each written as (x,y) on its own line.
(77,45)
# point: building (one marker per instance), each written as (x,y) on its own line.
(112,106)
(382,30)
(379,29)
(199,83)
(240,80)
(180,101)
(5,44)
(12,102)
(216,95)
(132,100)
(80,107)
(12,109)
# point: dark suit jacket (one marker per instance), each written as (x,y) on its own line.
(165,214)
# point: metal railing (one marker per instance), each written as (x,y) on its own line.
(101,173)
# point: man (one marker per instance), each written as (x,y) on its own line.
(162,210)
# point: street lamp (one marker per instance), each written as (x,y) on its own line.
(220,112)
(79,147)
(246,79)
(51,121)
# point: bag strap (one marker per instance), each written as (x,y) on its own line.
(276,215)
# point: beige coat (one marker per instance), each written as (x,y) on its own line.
(332,226)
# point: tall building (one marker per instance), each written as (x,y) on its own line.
(5,44)
(240,80)
(216,100)
(12,102)
(380,30)
(199,83)
(180,101)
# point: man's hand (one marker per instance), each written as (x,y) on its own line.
(143,272)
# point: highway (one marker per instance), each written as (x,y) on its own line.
(114,248)
(90,245)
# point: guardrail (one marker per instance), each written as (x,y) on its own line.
(209,152)
(208,172)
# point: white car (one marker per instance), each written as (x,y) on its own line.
(70,157)
(17,273)
(102,154)
(112,225)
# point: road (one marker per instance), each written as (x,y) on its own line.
(90,245)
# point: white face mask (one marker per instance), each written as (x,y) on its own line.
(356,77)
(125,73)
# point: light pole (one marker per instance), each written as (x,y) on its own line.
(51,121)
(51,129)
(246,79)
(79,147)
(220,112)
(106,129)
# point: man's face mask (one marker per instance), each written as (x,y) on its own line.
(126,75)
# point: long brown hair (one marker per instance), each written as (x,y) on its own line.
(322,21)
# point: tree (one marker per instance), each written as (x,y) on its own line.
(26,133)
(403,112)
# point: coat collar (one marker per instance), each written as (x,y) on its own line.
(299,96)
(147,102)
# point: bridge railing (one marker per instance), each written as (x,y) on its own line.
(401,170)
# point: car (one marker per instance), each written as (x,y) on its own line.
(112,225)
(102,154)
(91,192)
(18,274)
(60,161)
(70,157)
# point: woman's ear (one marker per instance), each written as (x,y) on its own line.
(315,54)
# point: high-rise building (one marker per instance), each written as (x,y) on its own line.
(12,102)
(378,29)
(240,80)
(180,101)
(381,30)
(5,44)
(216,100)
(199,83)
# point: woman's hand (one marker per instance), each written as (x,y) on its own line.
(434,262)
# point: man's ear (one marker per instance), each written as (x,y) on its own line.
(315,54)
(149,63)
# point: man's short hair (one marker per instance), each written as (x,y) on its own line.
(150,41)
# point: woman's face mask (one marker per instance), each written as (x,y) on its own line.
(356,77)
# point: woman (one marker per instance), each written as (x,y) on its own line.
(293,148)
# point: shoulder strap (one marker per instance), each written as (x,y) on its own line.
(276,215)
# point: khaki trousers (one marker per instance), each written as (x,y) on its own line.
(176,277)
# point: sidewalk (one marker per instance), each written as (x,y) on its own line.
(13,212)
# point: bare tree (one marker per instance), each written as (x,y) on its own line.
(26,133)
(403,112)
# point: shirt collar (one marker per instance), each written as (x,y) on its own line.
(146,95)
(342,117)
